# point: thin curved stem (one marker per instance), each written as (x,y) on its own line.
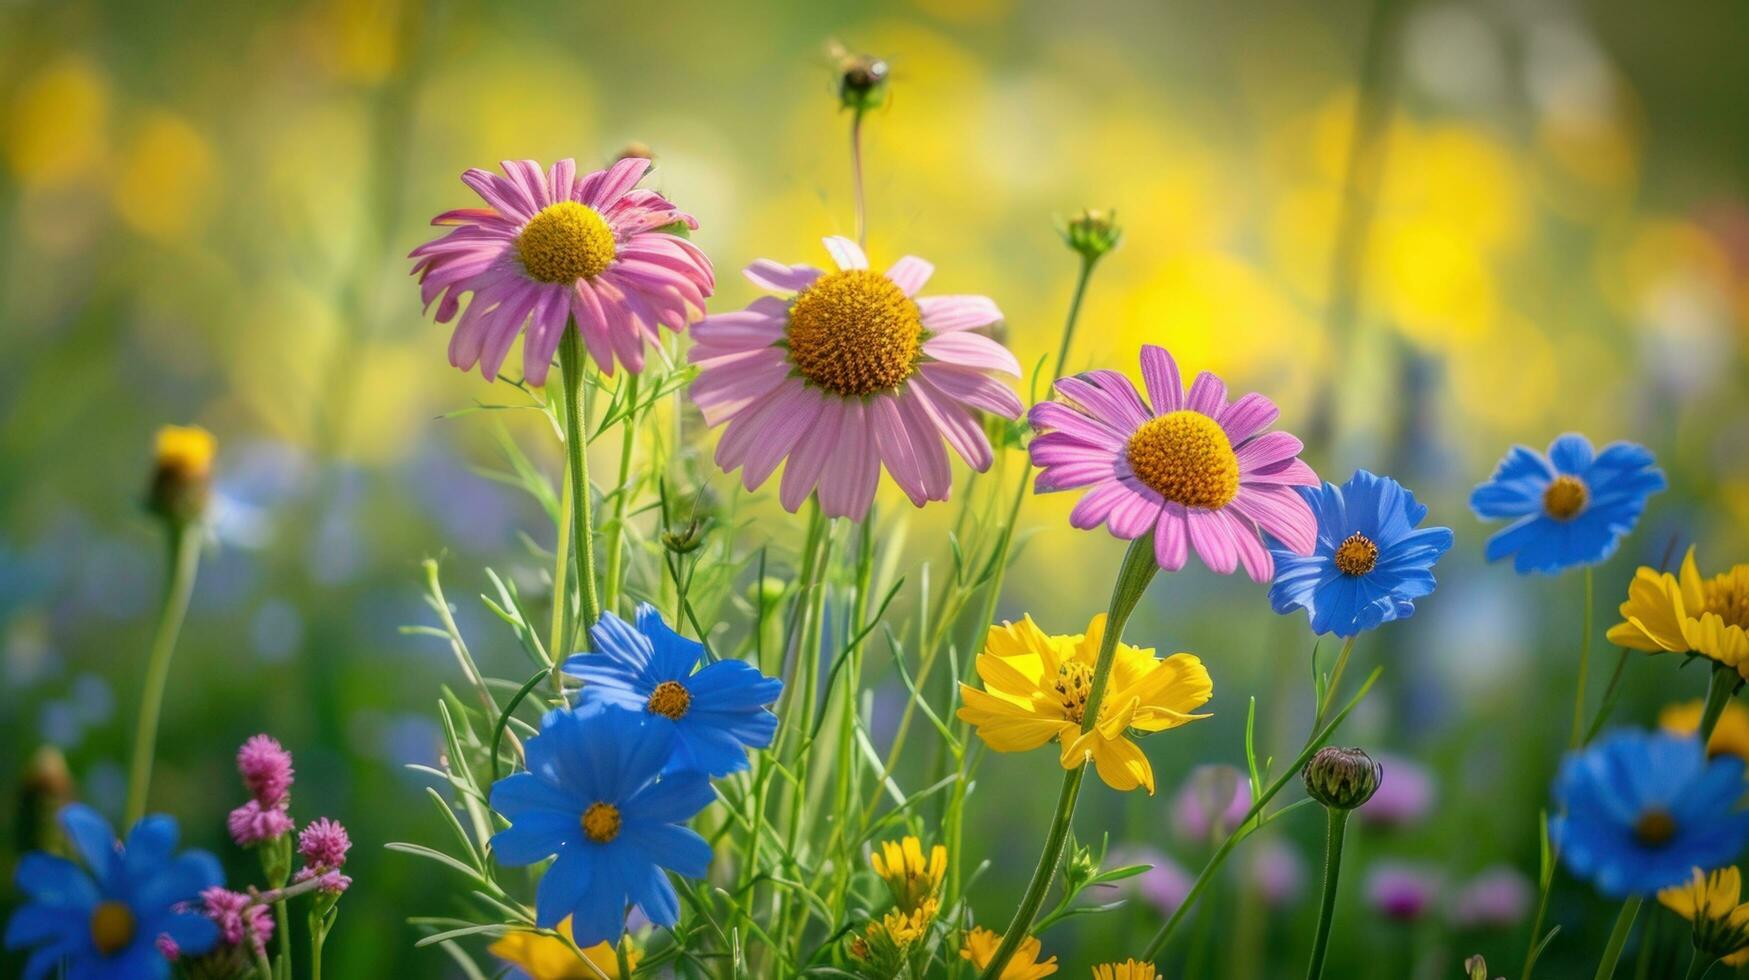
(1698,965)
(616,529)
(856,177)
(1584,664)
(1133,576)
(184,561)
(561,630)
(1335,682)
(571,366)
(1618,938)
(1338,825)
(1720,687)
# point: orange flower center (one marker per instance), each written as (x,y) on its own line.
(1185,456)
(601,822)
(1655,827)
(1727,596)
(565,242)
(1074,683)
(1357,555)
(855,333)
(1565,497)
(112,927)
(670,700)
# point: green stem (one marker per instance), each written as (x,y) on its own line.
(1618,938)
(1584,665)
(1087,263)
(282,913)
(1133,576)
(1698,965)
(184,560)
(1720,687)
(856,177)
(571,366)
(561,631)
(1338,825)
(1335,682)
(317,935)
(616,530)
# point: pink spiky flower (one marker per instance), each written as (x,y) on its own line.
(324,843)
(1197,470)
(554,248)
(238,917)
(851,372)
(267,769)
(252,823)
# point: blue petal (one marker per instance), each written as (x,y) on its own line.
(653,894)
(1571,453)
(34,925)
(535,836)
(1517,486)
(599,911)
(643,745)
(615,637)
(607,670)
(151,841)
(674,847)
(675,655)
(55,881)
(194,933)
(707,749)
(731,685)
(564,887)
(44,961)
(675,798)
(180,879)
(91,837)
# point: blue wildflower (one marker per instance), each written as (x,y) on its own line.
(1569,508)
(103,921)
(1371,562)
(717,711)
(1641,810)
(594,794)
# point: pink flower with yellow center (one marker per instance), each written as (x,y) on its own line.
(555,248)
(853,371)
(1197,470)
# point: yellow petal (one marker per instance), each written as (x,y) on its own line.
(1005,726)
(1653,614)
(1692,594)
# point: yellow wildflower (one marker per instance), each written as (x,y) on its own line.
(545,957)
(1730,736)
(910,876)
(981,946)
(1687,614)
(182,471)
(1036,688)
(1127,970)
(1709,902)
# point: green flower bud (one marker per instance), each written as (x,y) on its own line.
(1092,233)
(685,539)
(862,80)
(1342,779)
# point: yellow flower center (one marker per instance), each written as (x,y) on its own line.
(565,242)
(1074,683)
(601,822)
(1655,827)
(112,927)
(1357,555)
(670,700)
(1727,596)
(1185,456)
(855,333)
(1565,497)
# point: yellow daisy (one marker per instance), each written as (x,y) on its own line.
(910,876)
(1127,970)
(1709,902)
(1688,614)
(1036,688)
(546,958)
(1730,736)
(981,946)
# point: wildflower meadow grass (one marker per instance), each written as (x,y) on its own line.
(882,597)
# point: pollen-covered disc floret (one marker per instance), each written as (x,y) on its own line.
(555,250)
(112,927)
(854,333)
(853,374)
(1356,555)
(1565,497)
(601,822)
(565,242)
(1198,471)
(670,699)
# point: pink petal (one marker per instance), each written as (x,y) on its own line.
(848,255)
(723,393)
(1095,505)
(1171,535)
(1062,449)
(618,179)
(792,411)
(1208,395)
(1247,416)
(893,441)
(910,273)
(946,314)
(926,444)
(500,193)
(1290,472)
(767,274)
(809,456)
(530,180)
(1108,397)
(1136,513)
(1253,556)
(961,430)
(1282,513)
(1266,450)
(972,350)
(973,388)
(1160,374)
(1212,538)
(1058,417)
(848,485)
(562,179)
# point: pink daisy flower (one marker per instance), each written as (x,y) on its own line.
(852,372)
(1195,469)
(555,248)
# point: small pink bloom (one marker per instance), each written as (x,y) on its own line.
(238,916)
(556,249)
(333,882)
(1496,898)
(1277,873)
(852,372)
(252,823)
(1211,802)
(1197,470)
(324,843)
(1401,891)
(1164,885)
(266,769)
(167,947)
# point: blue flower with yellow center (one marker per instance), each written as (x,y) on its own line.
(1571,507)
(103,921)
(1371,560)
(717,711)
(595,795)
(1639,811)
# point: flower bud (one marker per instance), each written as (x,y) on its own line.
(1092,233)
(686,538)
(862,80)
(1476,967)
(182,473)
(1342,779)
(637,149)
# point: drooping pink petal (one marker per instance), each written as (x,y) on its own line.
(1171,537)
(973,351)
(973,388)
(1135,513)
(961,430)
(1211,536)
(926,442)
(893,440)
(1282,513)
(1048,416)
(1095,507)
(1253,556)
(808,458)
